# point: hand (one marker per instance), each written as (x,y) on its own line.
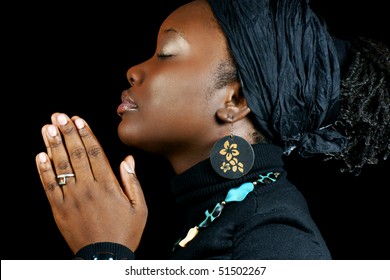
(92,206)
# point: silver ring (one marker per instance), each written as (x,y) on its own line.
(62,179)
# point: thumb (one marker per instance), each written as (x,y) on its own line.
(131,186)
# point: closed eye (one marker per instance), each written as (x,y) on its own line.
(161,56)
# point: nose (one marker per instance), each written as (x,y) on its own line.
(135,75)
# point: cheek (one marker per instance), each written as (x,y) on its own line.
(184,84)
(175,91)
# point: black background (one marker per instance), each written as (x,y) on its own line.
(70,58)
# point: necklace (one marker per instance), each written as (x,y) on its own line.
(234,194)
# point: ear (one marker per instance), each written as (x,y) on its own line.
(235,106)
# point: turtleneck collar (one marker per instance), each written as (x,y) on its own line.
(200,187)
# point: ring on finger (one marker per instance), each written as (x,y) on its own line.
(63,178)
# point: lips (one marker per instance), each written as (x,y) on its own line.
(127,104)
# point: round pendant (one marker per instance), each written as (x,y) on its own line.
(232,157)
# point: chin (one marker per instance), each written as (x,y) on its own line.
(125,135)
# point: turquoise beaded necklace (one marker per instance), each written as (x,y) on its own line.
(235,194)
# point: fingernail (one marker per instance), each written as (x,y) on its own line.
(62,119)
(52,130)
(129,169)
(42,157)
(79,123)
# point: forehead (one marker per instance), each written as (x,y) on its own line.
(195,22)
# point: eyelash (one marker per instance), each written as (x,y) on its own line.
(163,55)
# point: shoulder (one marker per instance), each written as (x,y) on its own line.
(275,223)
(280,197)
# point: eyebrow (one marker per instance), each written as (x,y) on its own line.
(171,29)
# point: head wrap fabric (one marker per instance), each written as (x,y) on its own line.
(289,71)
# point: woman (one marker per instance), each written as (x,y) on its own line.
(230,91)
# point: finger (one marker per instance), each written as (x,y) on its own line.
(48,179)
(97,159)
(44,133)
(71,151)
(132,187)
(56,150)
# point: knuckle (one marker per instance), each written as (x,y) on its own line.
(56,142)
(74,205)
(63,165)
(68,129)
(88,195)
(84,133)
(78,153)
(50,186)
(95,151)
(45,169)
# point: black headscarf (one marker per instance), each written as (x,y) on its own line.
(289,71)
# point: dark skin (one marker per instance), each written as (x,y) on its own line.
(172,108)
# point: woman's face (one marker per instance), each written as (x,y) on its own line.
(171,105)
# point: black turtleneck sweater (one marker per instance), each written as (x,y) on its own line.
(272,222)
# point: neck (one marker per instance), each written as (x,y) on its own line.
(182,161)
(183,157)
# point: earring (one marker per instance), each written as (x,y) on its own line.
(232,156)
